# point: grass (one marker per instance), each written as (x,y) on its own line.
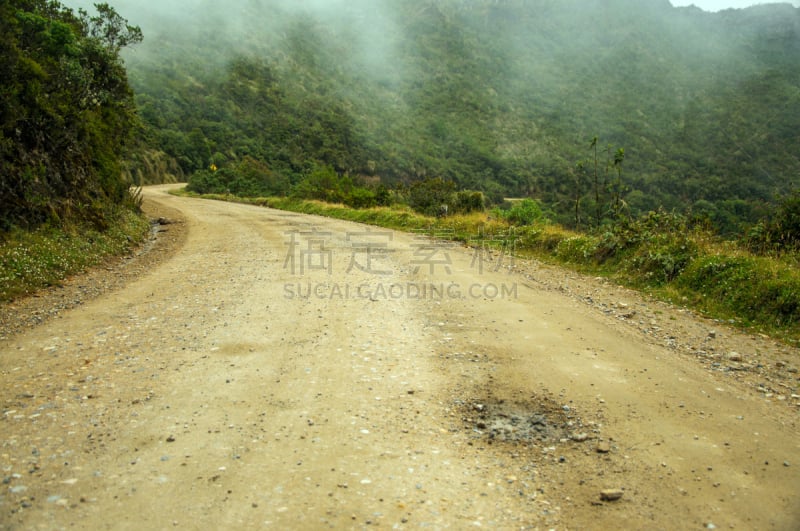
(32,260)
(656,254)
(693,269)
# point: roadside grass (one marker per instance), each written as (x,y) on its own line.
(32,260)
(656,254)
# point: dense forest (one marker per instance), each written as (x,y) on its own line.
(645,126)
(67,114)
(515,98)
(595,108)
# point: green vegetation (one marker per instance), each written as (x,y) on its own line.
(247,178)
(408,113)
(251,178)
(324,184)
(659,253)
(502,97)
(751,290)
(781,232)
(67,121)
(524,212)
(66,114)
(34,259)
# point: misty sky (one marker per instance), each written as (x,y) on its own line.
(708,5)
(716,5)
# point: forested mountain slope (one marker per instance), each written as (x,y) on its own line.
(499,96)
(67,114)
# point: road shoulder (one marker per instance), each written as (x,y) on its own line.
(168,235)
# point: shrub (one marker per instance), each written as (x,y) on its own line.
(361,198)
(754,289)
(662,259)
(324,184)
(430,195)
(575,249)
(525,212)
(467,201)
(782,233)
(248,178)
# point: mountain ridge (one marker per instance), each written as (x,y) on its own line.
(503,97)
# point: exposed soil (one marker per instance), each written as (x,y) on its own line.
(262,369)
(168,233)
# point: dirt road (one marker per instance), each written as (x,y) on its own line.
(291,372)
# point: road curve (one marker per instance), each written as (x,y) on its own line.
(292,372)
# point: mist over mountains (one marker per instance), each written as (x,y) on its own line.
(503,96)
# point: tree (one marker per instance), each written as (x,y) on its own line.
(579,172)
(597,208)
(109,28)
(67,114)
(618,188)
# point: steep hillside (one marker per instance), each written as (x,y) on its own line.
(67,114)
(501,96)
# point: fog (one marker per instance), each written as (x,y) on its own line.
(384,40)
(446,80)
(255,26)
(719,5)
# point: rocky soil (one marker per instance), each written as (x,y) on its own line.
(251,368)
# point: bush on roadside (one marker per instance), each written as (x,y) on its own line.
(522,213)
(323,183)
(781,233)
(751,288)
(247,178)
(468,201)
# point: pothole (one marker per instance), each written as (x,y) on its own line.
(537,420)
